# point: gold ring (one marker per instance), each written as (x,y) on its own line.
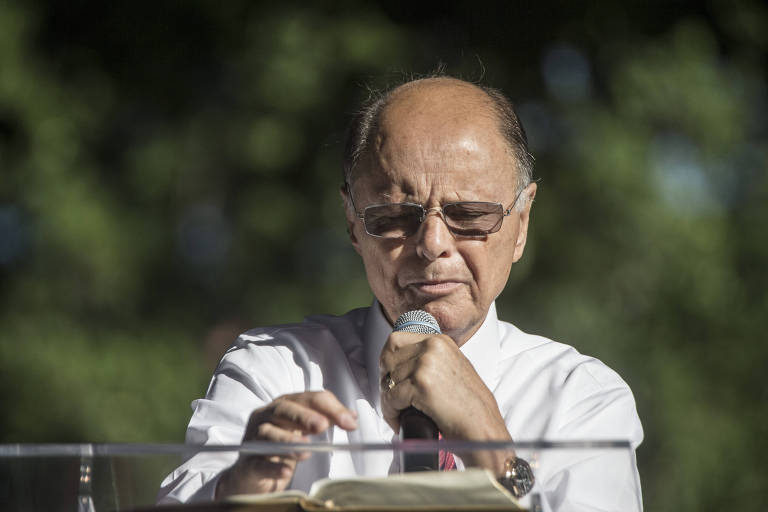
(389,382)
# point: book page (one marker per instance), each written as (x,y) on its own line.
(474,489)
(284,501)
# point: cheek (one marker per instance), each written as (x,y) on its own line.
(502,265)
(490,268)
(380,268)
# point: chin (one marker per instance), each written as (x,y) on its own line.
(457,320)
(457,324)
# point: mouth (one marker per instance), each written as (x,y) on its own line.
(435,288)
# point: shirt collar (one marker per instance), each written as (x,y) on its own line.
(375,333)
(483,349)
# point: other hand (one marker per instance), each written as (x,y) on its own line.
(288,419)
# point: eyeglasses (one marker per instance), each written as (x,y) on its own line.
(463,218)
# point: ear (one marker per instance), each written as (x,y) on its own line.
(523,217)
(351,218)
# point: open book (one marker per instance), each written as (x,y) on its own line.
(473,489)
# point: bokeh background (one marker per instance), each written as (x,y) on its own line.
(169,176)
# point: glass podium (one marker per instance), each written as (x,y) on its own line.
(107,477)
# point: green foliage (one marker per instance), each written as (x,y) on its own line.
(169,176)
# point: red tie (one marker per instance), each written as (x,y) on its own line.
(447,462)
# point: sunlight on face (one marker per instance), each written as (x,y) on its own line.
(435,144)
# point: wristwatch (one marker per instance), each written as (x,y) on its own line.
(517,477)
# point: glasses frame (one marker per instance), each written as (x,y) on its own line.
(425,211)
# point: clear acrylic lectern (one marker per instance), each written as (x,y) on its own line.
(107,477)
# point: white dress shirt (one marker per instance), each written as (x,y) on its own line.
(545,391)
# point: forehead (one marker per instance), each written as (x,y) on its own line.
(439,135)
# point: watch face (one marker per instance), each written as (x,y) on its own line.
(518,478)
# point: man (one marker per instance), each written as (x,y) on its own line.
(438,195)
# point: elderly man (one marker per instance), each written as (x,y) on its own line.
(438,196)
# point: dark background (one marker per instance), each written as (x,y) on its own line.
(169,176)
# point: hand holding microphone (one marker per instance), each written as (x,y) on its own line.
(428,385)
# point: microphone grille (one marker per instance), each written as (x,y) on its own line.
(417,321)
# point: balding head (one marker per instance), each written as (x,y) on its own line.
(434,203)
(439,102)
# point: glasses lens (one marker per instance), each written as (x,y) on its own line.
(395,220)
(473,218)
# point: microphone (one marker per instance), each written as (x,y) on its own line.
(414,424)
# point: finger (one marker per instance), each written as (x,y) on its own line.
(404,395)
(265,425)
(273,433)
(307,413)
(398,374)
(425,369)
(401,339)
(402,346)
(394,354)
(415,382)
(292,415)
(269,467)
(396,400)
(326,403)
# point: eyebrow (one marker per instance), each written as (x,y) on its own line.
(408,198)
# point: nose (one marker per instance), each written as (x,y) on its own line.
(434,239)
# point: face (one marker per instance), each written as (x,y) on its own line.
(437,144)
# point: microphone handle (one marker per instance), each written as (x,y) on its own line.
(414,424)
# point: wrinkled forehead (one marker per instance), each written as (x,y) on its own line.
(438,128)
(448,143)
(433,111)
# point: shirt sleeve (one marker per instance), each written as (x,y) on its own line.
(595,404)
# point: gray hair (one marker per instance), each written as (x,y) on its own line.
(365,122)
